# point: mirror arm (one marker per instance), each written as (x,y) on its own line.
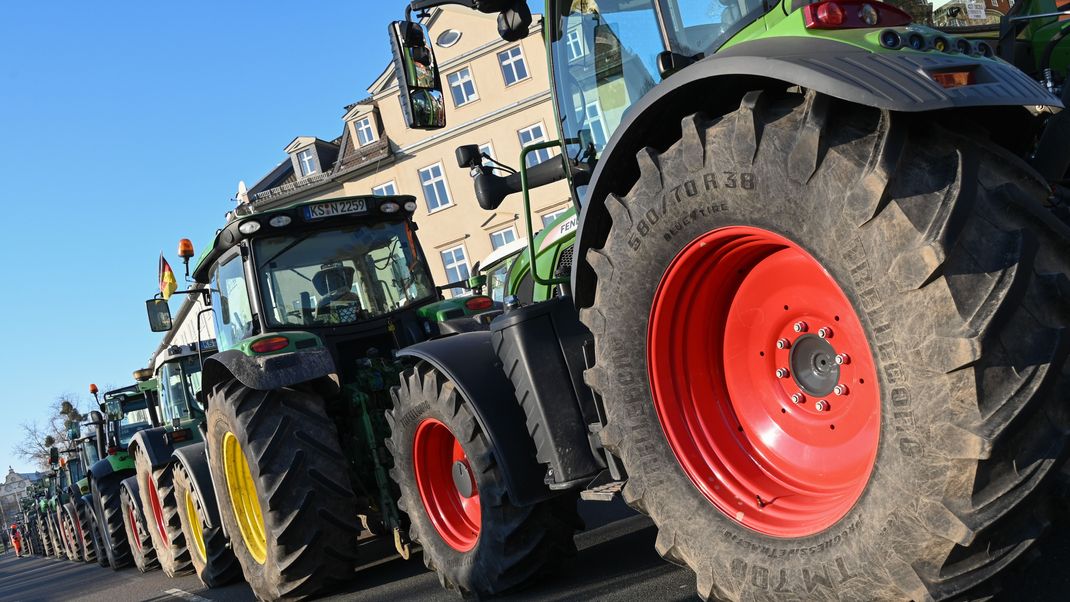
(422,5)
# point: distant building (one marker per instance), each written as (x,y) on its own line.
(12,490)
(499,99)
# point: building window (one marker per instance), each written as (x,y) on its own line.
(502,237)
(531,135)
(576,47)
(462,86)
(456,265)
(549,218)
(448,38)
(436,193)
(307,162)
(365,130)
(513,66)
(388,189)
(594,121)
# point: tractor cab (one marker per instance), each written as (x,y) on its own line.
(128,412)
(178,372)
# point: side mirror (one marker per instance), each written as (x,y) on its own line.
(419,84)
(53,455)
(514,23)
(159,315)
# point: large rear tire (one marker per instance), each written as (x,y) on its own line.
(109,513)
(930,259)
(44,534)
(136,526)
(72,541)
(94,533)
(85,530)
(213,560)
(453,490)
(281,481)
(59,549)
(161,509)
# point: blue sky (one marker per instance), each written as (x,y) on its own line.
(127,126)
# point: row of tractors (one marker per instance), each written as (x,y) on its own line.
(809,313)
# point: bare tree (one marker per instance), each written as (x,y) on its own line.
(38,437)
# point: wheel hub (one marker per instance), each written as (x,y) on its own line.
(462,479)
(748,353)
(241,488)
(813,365)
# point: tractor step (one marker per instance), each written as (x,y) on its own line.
(602,493)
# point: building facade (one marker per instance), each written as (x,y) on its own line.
(12,490)
(497,97)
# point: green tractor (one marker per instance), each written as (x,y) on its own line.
(815,323)
(80,517)
(311,303)
(35,539)
(173,473)
(114,494)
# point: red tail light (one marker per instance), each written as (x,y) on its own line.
(181,435)
(113,450)
(852,14)
(478,303)
(270,344)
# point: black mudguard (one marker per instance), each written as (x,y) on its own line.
(130,484)
(101,469)
(154,442)
(267,372)
(195,461)
(468,360)
(715,86)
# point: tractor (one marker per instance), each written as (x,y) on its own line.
(173,474)
(311,304)
(114,494)
(815,323)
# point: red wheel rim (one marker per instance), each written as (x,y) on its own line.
(777,426)
(446,484)
(133,527)
(157,509)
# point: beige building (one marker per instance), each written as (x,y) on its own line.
(497,96)
(12,490)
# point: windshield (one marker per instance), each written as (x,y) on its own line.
(498,278)
(179,383)
(956,14)
(339,276)
(132,422)
(605,56)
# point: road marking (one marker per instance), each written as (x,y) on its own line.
(181,593)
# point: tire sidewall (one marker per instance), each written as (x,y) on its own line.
(148,478)
(182,486)
(664,220)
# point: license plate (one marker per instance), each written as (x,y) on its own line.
(335,208)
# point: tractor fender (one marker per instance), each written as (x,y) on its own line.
(154,442)
(130,484)
(468,360)
(267,372)
(101,469)
(716,85)
(195,461)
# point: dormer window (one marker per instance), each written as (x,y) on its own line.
(306,160)
(365,130)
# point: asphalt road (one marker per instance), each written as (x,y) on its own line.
(615,561)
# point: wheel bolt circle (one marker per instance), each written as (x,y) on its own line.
(800,327)
(840,390)
(783,343)
(797,398)
(843,358)
(821,405)
(825,332)
(781,372)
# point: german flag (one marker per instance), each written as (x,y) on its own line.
(168,284)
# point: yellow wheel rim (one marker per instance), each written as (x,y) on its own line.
(196,531)
(243,498)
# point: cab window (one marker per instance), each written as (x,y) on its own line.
(230,299)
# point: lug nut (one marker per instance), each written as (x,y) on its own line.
(842,359)
(783,343)
(797,398)
(781,372)
(800,327)
(840,389)
(821,406)
(825,332)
